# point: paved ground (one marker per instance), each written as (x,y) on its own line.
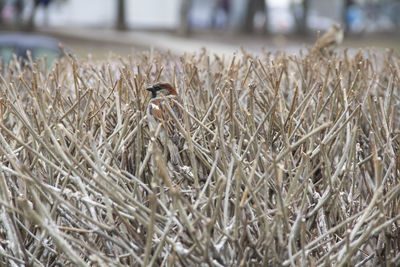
(100,41)
(124,42)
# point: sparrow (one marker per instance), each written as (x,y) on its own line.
(329,40)
(164,95)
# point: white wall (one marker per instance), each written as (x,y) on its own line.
(101,13)
(153,13)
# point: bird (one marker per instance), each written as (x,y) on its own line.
(329,40)
(163,100)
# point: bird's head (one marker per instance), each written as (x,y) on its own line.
(336,26)
(162,89)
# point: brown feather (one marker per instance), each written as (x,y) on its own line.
(162,115)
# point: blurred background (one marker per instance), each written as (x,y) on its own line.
(98,27)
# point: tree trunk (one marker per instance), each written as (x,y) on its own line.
(31,21)
(184,27)
(2,4)
(252,7)
(121,21)
(303,29)
(266,26)
(19,9)
(300,15)
(345,23)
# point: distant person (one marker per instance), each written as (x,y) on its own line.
(220,14)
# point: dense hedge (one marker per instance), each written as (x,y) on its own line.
(294,160)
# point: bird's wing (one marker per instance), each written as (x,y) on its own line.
(327,39)
(161,114)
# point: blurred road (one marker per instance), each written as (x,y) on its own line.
(99,42)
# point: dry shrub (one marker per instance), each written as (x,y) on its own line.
(295,161)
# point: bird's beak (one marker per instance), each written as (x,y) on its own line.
(150,88)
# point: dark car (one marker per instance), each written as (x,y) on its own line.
(20,43)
